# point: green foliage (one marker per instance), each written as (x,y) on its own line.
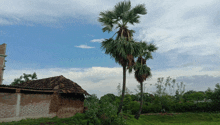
(144,109)
(166,101)
(126,103)
(133,97)
(98,109)
(146,97)
(122,12)
(154,108)
(208,93)
(93,107)
(19,80)
(197,96)
(108,98)
(134,107)
(215,97)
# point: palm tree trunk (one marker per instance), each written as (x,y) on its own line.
(123,89)
(140,109)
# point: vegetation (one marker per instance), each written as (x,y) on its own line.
(103,111)
(124,49)
(19,80)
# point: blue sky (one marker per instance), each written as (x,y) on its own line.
(55,38)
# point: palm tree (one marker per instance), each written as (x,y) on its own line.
(142,71)
(124,48)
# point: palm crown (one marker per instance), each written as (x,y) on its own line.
(122,12)
(123,51)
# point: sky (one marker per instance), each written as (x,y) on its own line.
(54,38)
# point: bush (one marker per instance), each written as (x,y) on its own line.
(108,97)
(166,102)
(134,107)
(155,108)
(144,109)
(100,112)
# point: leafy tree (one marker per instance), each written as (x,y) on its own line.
(187,94)
(193,95)
(19,80)
(208,93)
(108,98)
(164,97)
(215,96)
(197,96)
(147,97)
(124,48)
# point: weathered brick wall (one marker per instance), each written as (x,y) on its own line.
(26,105)
(8,104)
(2,61)
(69,108)
(34,104)
(2,48)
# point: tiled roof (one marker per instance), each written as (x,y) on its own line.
(59,83)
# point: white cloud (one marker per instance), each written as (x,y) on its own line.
(97,40)
(105,80)
(42,11)
(176,28)
(84,47)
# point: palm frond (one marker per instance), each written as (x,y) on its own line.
(152,47)
(107,20)
(140,9)
(121,8)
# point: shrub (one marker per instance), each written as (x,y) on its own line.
(144,109)
(155,108)
(134,107)
(108,97)
(100,112)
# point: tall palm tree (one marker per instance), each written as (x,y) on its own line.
(142,71)
(124,48)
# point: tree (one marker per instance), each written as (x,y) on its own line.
(215,96)
(142,71)
(124,49)
(108,98)
(19,80)
(187,95)
(208,93)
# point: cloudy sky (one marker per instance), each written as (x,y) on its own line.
(56,37)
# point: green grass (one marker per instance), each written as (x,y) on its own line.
(179,119)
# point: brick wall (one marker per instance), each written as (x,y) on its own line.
(8,105)
(34,104)
(17,105)
(2,61)
(20,104)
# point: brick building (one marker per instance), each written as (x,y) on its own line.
(2,61)
(48,97)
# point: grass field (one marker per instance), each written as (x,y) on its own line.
(178,119)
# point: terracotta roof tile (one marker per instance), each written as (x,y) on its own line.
(62,84)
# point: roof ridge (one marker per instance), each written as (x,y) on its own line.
(61,83)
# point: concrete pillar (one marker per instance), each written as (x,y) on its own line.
(18,102)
